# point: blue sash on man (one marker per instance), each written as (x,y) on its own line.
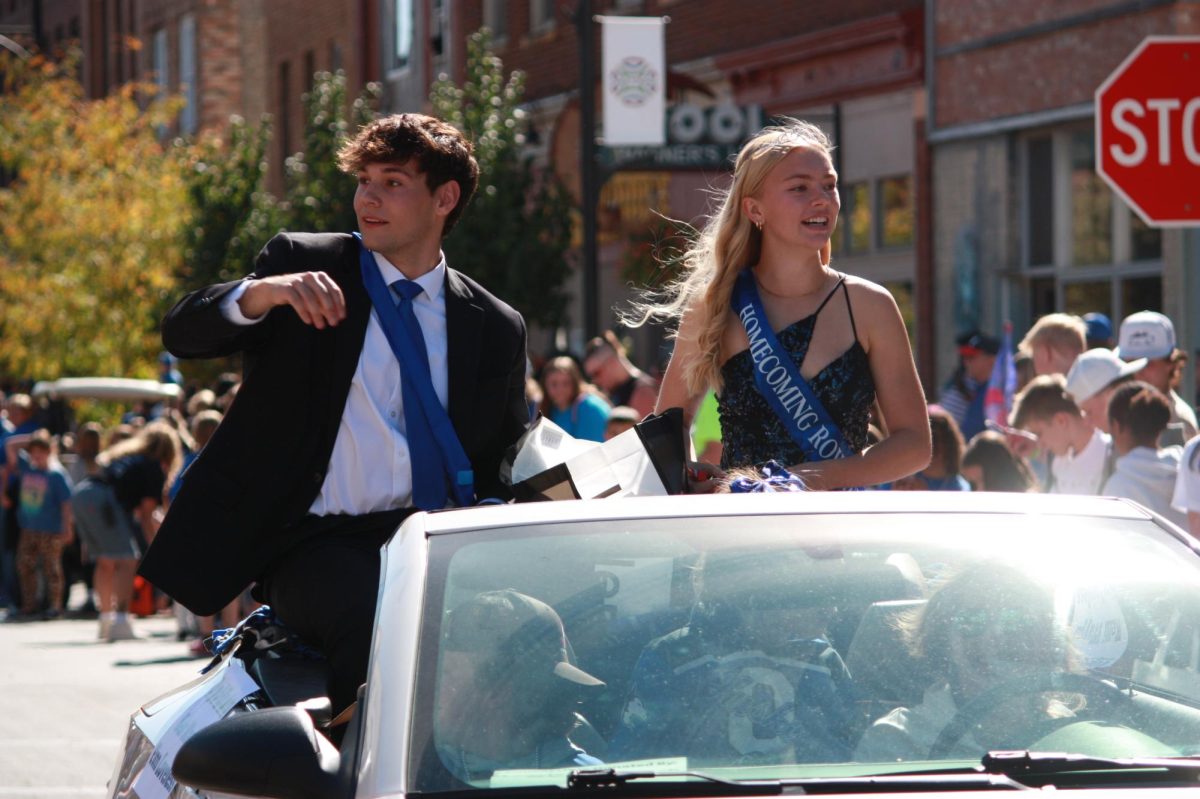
(436,454)
(779,381)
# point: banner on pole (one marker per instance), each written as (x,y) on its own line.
(634,76)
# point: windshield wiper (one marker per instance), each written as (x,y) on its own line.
(609,780)
(1038,769)
(696,783)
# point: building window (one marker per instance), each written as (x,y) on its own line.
(856,208)
(495,19)
(1084,249)
(1091,204)
(335,55)
(158,55)
(189,118)
(541,15)
(896,212)
(310,69)
(403,34)
(437,28)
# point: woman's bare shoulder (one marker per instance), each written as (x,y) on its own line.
(867,291)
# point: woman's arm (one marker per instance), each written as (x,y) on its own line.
(144,513)
(674,393)
(907,448)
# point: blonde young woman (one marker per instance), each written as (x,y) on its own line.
(762,264)
(115,516)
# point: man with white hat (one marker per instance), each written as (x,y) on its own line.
(1093,378)
(1150,335)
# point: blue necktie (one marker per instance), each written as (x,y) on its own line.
(428,471)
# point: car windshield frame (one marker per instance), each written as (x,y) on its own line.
(443,546)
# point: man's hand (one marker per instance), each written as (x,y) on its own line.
(316,298)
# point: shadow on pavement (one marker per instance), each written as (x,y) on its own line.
(160,661)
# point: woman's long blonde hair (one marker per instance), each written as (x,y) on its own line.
(158,441)
(728,243)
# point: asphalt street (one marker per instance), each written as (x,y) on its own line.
(66,699)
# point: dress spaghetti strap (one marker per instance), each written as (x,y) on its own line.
(828,297)
(849,309)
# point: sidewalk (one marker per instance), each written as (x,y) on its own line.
(66,699)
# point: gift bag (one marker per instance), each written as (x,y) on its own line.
(647,460)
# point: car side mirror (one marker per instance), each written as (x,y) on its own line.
(274,752)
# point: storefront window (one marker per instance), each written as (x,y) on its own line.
(1091,205)
(896,211)
(1084,249)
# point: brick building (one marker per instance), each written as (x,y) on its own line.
(1022,223)
(855,67)
(225,57)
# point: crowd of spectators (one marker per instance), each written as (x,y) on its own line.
(82,501)
(1088,418)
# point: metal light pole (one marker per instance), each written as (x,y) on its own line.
(587,162)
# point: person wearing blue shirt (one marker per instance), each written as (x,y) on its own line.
(44,518)
(571,403)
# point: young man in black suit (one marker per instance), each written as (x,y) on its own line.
(319,457)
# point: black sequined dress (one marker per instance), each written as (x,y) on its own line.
(753,434)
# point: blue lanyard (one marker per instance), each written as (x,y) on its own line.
(779,381)
(456,464)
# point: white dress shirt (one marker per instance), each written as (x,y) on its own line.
(370,468)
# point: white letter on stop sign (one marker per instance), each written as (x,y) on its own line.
(1189,130)
(1126,108)
(1131,130)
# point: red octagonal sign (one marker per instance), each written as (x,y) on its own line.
(1148,130)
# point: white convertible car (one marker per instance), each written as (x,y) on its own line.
(726,645)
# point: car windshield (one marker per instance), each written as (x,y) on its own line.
(801,646)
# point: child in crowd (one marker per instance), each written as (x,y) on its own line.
(989,464)
(1145,473)
(1080,454)
(44,516)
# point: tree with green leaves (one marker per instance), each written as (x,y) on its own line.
(92,224)
(515,234)
(233,212)
(319,195)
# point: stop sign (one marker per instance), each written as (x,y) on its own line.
(1148,130)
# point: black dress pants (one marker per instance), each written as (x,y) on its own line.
(325,590)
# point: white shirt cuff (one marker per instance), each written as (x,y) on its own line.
(233,311)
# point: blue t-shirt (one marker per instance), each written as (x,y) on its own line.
(42,495)
(586,419)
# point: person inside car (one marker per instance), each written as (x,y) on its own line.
(752,677)
(989,627)
(507,692)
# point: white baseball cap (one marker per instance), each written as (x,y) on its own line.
(1146,334)
(1095,369)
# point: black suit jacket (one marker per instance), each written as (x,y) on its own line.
(266,462)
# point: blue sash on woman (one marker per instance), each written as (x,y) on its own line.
(452,457)
(779,381)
